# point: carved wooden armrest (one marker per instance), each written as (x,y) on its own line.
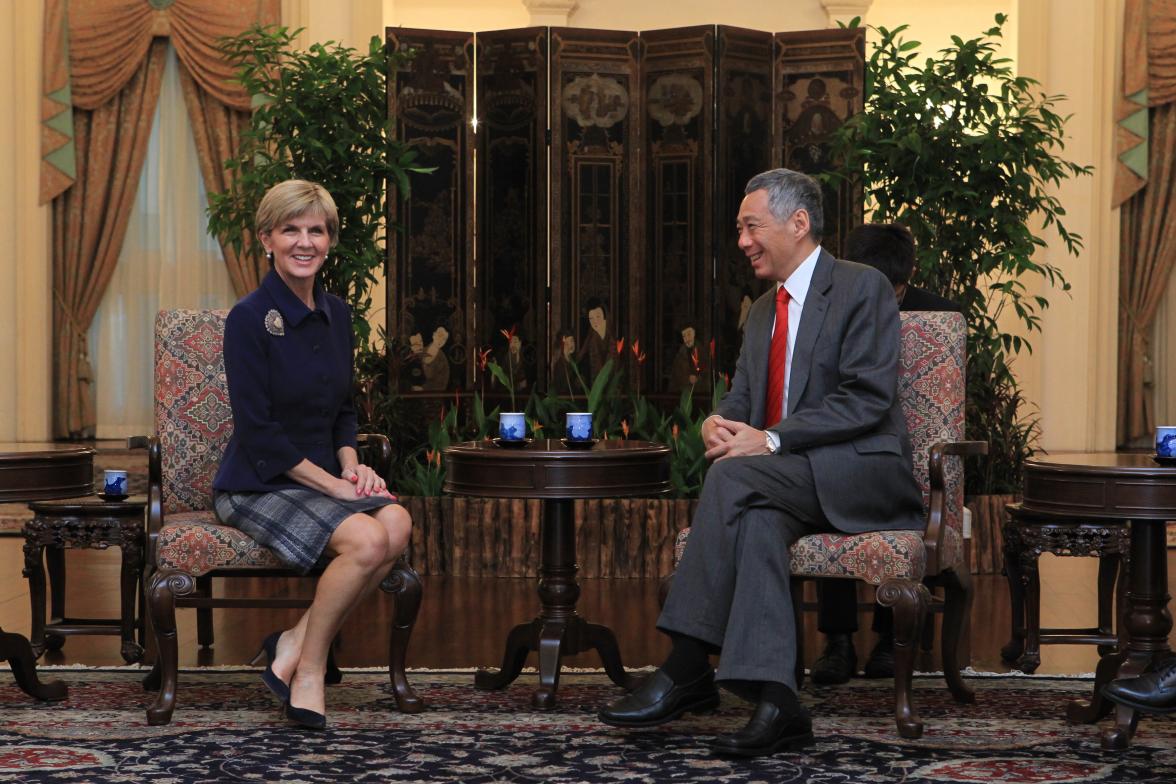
(937,503)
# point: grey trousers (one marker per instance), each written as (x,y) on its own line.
(732,588)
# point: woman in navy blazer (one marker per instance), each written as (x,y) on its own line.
(290,476)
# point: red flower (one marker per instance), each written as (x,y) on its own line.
(508,334)
(625,427)
(674,431)
(694,359)
(483,359)
(620,346)
(637,354)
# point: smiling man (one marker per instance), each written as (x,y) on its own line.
(810,438)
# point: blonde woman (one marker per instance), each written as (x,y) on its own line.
(290,477)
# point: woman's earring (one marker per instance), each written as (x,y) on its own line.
(269,256)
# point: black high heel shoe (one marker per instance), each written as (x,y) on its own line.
(269,647)
(304,717)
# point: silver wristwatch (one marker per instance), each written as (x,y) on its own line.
(771,445)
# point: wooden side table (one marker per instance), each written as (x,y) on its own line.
(84,523)
(1026,537)
(31,471)
(1104,487)
(548,470)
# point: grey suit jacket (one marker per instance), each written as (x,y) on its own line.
(843,409)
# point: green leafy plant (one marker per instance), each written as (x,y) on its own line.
(964,152)
(321,115)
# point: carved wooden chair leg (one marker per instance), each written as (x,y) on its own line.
(204,636)
(957,609)
(909,600)
(404,585)
(1013,649)
(165,586)
(1108,572)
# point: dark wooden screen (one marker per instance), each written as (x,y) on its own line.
(610,169)
(429,303)
(596,237)
(678,84)
(743,150)
(819,84)
(512,243)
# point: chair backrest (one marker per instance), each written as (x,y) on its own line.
(193,419)
(931,391)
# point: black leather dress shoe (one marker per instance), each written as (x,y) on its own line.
(838,663)
(1154,692)
(770,730)
(881,661)
(658,700)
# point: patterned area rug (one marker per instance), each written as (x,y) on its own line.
(227,728)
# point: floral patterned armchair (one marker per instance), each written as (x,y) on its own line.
(187,547)
(902,564)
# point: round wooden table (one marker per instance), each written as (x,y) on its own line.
(1132,488)
(34,472)
(548,470)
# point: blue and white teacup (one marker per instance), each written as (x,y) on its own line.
(1166,441)
(114,482)
(512,426)
(579,426)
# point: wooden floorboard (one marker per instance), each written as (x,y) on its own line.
(464,621)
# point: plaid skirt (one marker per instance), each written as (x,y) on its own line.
(295,523)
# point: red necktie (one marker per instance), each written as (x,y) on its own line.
(777,359)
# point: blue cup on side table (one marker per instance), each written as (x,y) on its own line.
(579,426)
(512,426)
(1166,442)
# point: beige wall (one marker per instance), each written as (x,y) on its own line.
(1068,44)
(24,264)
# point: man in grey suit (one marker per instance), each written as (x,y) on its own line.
(809,439)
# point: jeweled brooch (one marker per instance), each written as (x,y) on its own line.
(274,324)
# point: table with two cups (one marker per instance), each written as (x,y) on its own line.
(558,473)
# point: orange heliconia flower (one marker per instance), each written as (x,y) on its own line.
(637,353)
(483,358)
(510,333)
(625,427)
(674,431)
(620,346)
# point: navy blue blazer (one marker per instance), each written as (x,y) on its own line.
(289,371)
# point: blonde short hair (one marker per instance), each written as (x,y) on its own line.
(293,199)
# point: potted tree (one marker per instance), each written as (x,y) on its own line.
(320,115)
(964,152)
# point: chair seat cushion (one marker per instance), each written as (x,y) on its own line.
(873,557)
(195,543)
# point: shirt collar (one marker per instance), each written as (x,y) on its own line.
(294,310)
(802,277)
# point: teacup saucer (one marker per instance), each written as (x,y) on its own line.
(516,443)
(112,498)
(570,444)
(1165,461)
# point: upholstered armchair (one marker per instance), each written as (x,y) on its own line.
(903,564)
(186,546)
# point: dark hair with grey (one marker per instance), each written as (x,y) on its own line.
(789,191)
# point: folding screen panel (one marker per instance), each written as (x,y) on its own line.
(743,149)
(677,78)
(596,237)
(429,303)
(512,202)
(819,84)
(609,170)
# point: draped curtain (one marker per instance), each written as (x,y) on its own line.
(1145,186)
(104,60)
(168,260)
